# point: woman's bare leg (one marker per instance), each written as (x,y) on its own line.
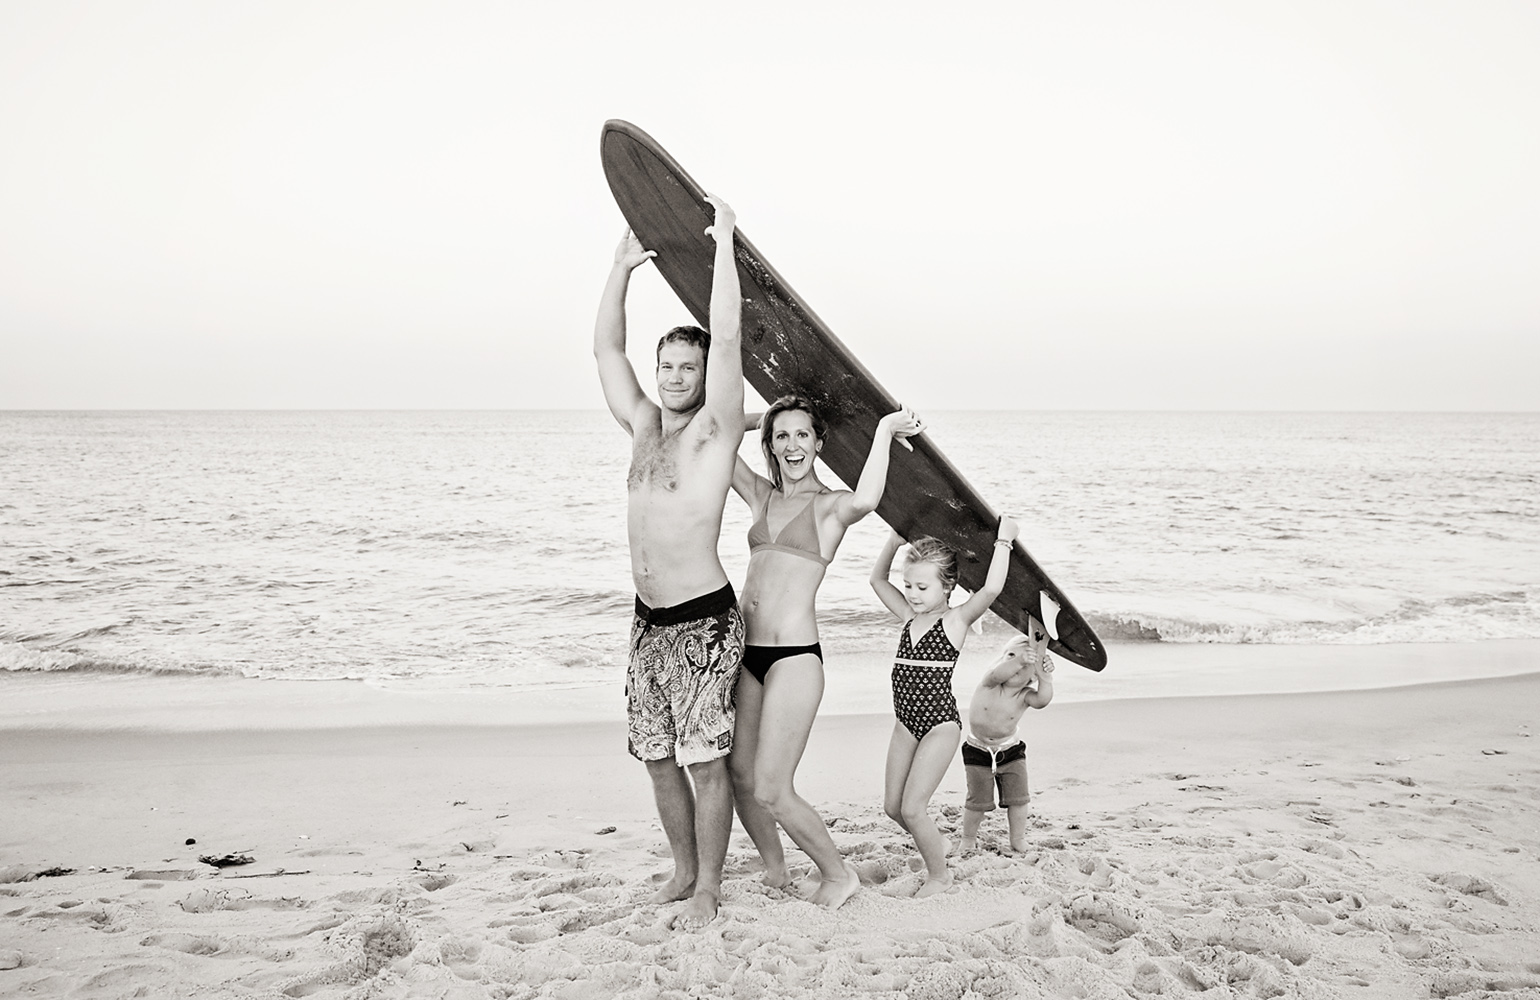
(756,819)
(793,689)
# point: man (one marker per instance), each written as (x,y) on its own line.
(687,635)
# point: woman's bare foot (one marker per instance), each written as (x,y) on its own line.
(1020,845)
(698,912)
(934,885)
(777,878)
(967,845)
(675,889)
(833,892)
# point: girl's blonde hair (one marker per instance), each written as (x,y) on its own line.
(934,550)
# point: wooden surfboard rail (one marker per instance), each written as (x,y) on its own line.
(787,348)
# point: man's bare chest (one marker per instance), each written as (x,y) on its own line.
(661,462)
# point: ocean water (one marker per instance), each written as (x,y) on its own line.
(469,549)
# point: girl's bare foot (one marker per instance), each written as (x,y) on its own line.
(933,885)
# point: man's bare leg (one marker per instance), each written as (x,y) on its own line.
(676,808)
(713,825)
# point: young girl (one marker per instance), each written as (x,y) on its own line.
(928,728)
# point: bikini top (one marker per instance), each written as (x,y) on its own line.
(933,647)
(799,537)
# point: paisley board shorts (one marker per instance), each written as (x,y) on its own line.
(682,677)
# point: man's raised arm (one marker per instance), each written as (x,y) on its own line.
(724,362)
(622,392)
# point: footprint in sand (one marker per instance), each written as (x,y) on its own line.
(531,933)
(1100,917)
(188,944)
(592,917)
(210,946)
(576,884)
(97,917)
(434,881)
(1470,885)
(1260,934)
(1275,872)
(1325,849)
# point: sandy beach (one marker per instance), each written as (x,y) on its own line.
(1348,844)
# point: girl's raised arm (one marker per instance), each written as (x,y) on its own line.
(974,607)
(890,596)
(853,506)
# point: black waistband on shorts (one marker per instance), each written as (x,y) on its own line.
(705,606)
(1008,754)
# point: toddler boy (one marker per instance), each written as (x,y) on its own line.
(993,754)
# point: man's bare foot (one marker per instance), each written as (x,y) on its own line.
(934,885)
(833,892)
(673,890)
(698,912)
(967,845)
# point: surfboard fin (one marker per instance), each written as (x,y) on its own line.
(1050,614)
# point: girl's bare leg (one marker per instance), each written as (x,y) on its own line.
(901,750)
(931,759)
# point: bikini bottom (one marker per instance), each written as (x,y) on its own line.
(758,660)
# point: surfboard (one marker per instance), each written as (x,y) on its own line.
(787,348)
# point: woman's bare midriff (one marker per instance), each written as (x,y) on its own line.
(777,599)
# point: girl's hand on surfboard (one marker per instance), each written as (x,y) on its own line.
(630,253)
(1008,530)
(726,219)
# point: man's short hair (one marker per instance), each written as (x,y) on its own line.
(692,335)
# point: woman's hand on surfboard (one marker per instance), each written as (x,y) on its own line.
(726,219)
(1008,529)
(630,253)
(900,424)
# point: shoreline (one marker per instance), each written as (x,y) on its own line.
(857,684)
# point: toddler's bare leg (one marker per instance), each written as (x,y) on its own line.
(970,828)
(1016,816)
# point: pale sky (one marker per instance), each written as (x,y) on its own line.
(1134,205)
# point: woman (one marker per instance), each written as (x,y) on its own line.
(798,525)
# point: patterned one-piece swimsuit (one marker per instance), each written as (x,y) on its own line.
(922,681)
